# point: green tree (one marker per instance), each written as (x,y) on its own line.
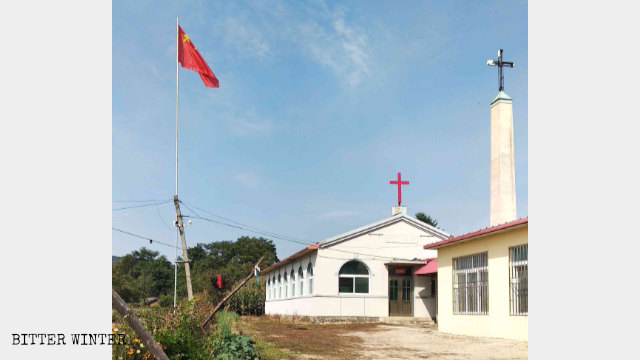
(144,272)
(427,219)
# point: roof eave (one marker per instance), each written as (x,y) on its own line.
(461,239)
(380,224)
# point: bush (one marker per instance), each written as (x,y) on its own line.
(184,340)
(232,346)
(235,346)
(225,320)
(165,300)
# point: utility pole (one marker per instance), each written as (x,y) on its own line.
(185,257)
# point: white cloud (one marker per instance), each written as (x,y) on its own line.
(338,46)
(245,36)
(321,33)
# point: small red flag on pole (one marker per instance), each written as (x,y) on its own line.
(191,59)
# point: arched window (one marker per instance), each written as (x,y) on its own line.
(279,286)
(293,283)
(273,287)
(286,284)
(310,278)
(268,289)
(353,278)
(301,280)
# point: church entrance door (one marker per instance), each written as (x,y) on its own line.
(400,296)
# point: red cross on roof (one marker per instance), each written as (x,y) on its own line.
(399,182)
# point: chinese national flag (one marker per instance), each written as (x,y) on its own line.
(190,58)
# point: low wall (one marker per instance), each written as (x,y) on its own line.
(317,305)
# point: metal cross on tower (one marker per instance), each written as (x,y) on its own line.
(500,64)
(399,182)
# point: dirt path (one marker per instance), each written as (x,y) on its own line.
(403,342)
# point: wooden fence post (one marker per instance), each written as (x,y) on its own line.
(131,318)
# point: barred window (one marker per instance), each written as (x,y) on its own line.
(293,283)
(470,284)
(518,279)
(273,287)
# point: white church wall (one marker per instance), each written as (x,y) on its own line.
(400,240)
(292,303)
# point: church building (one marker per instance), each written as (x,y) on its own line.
(378,270)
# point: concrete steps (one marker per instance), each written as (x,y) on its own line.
(409,321)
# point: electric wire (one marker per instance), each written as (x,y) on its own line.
(139,206)
(146,238)
(268,235)
(139,201)
(253,228)
(134,211)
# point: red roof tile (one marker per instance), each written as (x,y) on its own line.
(308,249)
(431,267)
(478,233)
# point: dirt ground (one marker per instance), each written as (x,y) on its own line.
(403,342)
(285,339)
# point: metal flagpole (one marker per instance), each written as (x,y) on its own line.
(175,263)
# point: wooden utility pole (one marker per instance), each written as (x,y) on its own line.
(215,309)
(185,257)
(133,321)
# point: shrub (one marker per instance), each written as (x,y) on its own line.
(225,320)
(235,346)
(184,340)
(165,300)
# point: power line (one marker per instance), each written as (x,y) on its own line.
(145,238)
(137,210)
(269,233)
(372,255)
(139,201)
(244,227)
(162,219)
(138,206)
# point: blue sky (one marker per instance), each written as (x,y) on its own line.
(320,104)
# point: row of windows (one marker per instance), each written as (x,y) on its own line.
(471,282)
(285,286)
(353,278)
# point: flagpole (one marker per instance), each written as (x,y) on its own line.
(175,263)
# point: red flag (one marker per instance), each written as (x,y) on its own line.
(190,58)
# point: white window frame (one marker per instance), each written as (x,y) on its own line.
(301,280)
(279,286)
(516,268)
(285,280)
(293,282)
(310,279)
(268,288)
(273,287)
(474,295)
(354,276)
